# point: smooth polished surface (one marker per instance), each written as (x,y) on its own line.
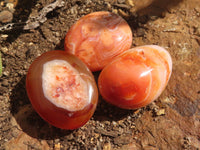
(62,89)
(97,38)
(136,77)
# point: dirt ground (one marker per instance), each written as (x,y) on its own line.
(172,122)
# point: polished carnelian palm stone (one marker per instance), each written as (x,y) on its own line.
(97,38)
(136,77)
(62,89)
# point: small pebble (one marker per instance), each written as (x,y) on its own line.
(6,73)
(160,112)
(6,16)
(10,6)
(115,11)
(4,35)
(129,117)
(123,13)
(109,6)
(14,2)
(57,146)
(130,2)
(4,49)
(2,3)
(114,123)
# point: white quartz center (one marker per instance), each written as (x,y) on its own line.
(63,86)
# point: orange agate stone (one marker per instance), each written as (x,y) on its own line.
(97,38)
(62,89)
(136,77)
